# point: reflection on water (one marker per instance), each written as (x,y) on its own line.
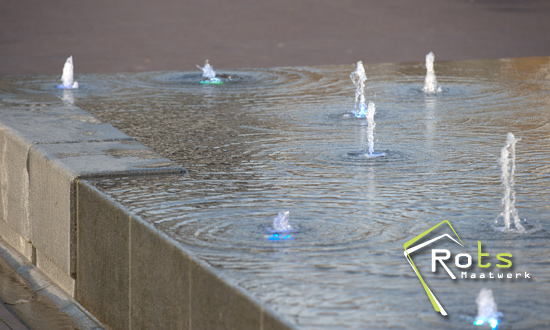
(275,140)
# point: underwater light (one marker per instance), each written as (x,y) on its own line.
(279,237)
(212,82)
(493,322)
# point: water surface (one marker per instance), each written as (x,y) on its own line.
(276,139)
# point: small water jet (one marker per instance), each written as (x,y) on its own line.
(67,77)
(281,227)
(359,77)
(508,167)
(281,223)
(487,312)
(430,82)
(209,73)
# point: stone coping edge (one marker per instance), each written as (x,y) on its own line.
(167,287)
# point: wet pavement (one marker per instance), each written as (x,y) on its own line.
(23,308)
(29,300)
(8,320)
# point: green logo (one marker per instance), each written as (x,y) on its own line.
(462,262)
(410,248)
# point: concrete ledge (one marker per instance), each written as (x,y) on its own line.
(45,145)
(14,185)
(135,277)
(58,123)
(52,171)
(160,276)
(102,284)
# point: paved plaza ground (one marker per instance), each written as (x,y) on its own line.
(128,36)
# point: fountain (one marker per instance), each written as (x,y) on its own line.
(209,73)
(281,227)
(430,82)
(487,312)
(371,109)
(359,77)
(281,223)
(363,110)
(273,141)
(67,77)
(508,166)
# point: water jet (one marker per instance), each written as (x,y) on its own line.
(67,76)
(430,82)
(508,168)
(209,73)
(487,312)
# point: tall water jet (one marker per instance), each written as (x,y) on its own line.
(487,312)
(508,167)
(67,77)
(359,77)
(362,109)
(430,82)
(371,109)
(209,73)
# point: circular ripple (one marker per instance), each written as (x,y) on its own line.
(233,80)
(318,233)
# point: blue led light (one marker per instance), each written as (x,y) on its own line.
(493,323)
(279,237)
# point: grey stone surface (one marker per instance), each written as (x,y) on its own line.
(159,281)
(14,181)
(53,168)
(50,200)
(105,158)
(15,240)
(217,305)
(54,123)
(272,322)
(102,285)
(51,268)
